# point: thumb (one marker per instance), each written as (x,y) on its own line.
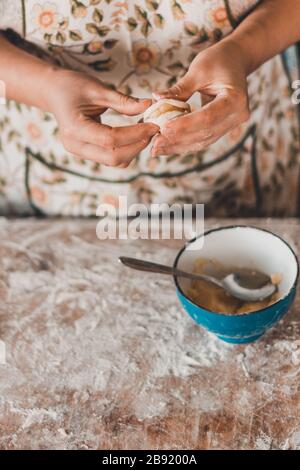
(182,90)
(126,104)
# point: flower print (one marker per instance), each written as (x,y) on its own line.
(79,10)
(209,179)
(152,163)
(34,131)
(45,17)
(185,29)
(144,56)
(177,10)
(219,16)
(54,177)
(38,195)
(94,47)
(111,200)
(216,17)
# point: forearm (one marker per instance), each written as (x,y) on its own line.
(27,79)
(272,27)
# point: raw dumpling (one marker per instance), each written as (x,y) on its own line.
(163,110)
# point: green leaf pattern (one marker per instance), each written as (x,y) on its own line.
(137,47)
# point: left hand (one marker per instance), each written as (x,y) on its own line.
(219,74)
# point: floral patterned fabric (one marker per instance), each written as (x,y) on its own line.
(137,47)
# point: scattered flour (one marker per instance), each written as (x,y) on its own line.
(86,327)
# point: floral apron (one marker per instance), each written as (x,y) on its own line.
(139,46)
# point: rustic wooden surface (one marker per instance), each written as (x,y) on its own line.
(101,358)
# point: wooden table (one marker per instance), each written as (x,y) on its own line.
(98,357)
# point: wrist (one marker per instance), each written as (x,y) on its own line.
(236,49)
(51,78)
(251,41)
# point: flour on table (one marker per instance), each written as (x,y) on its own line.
(98,354)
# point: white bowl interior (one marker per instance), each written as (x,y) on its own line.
(243,247)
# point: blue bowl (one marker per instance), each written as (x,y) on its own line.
(241,246)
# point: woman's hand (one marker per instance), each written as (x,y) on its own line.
(77,100)
(219,74)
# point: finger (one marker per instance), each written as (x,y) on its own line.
(108,137)
(159,145)
(194,143)
(182,90)
(124,104)
(121,156)
(222,109)
(180,149)
(170,143)
(201,131)
(124,155)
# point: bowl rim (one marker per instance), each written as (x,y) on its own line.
(227,227)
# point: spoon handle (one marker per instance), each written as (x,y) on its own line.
(148,266)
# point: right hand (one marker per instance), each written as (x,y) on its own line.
(219,74)
(77,100)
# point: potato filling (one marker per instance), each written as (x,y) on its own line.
(166,108)
(214,298)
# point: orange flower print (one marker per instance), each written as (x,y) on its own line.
(34,131)
(45,17)
(144,56)
(94,47)
(111,200)
(219,16)
(216,15)
(38,195)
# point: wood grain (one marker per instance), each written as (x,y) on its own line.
(101,358)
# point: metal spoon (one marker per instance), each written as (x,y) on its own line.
(249,286)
